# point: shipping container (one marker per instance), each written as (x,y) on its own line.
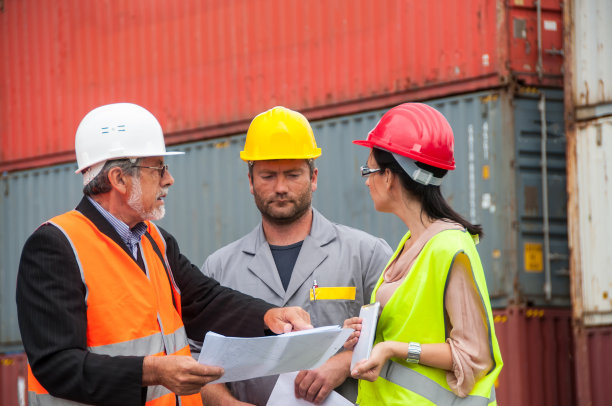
(588,103)
(537,350)
(13,379)
(205,68)
(592,195)
(497,183)
(589,58)
(589,128)
(593,364)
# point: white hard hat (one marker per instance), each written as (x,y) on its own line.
(120,130)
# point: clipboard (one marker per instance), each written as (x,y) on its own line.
(369,314)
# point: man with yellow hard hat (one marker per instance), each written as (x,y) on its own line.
(295,256)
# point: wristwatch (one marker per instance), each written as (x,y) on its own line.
(414,353)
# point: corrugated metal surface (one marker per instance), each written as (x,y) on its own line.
(206,67)
(536,346)
(588,103)
(26,200)
(593,279)
(599,344)
(528,59)
(594,362)
(592,59)
(530,199)
(13,379)
(210,204)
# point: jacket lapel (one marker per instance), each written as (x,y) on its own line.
(262,264)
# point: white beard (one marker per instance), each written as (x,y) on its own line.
(135,202)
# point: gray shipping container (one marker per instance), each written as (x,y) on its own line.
(497,183)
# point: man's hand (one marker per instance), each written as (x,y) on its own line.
(315,385)
(181,374)
(217,394)
(287,319)
(355,323)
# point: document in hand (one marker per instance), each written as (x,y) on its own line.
(369,314)
(246,358)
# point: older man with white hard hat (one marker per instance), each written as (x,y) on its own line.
(105,299)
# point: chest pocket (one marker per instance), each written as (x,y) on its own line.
(333,305)
(333,293)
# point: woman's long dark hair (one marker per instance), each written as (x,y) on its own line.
(432,202)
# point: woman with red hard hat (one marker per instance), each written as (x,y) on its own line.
(435,341)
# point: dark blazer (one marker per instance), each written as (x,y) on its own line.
(53,320)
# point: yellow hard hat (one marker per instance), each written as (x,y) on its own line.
(279,133)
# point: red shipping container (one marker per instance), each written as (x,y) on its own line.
(205,68)
(13,379)
(594,362)
(537,349)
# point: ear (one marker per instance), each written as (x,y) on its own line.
(118,180)
(250,183)
(389,179)
(313,181)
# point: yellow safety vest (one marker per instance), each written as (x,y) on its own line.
(415,312)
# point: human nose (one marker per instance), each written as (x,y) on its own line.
(281,185)
(167,179)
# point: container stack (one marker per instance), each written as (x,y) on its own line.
(588,102)
(205,69)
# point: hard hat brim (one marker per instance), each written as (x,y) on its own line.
(167,153)
(364,143)
(254,157)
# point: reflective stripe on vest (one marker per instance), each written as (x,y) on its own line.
(44,399)
(129,312)
(140,347)
(428,388)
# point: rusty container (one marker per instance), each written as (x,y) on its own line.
(537,346)
(588,121)
(13,379)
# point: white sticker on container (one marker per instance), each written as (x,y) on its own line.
(485,59)
(486,201)
(550,25)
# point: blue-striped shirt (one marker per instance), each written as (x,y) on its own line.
(132,237)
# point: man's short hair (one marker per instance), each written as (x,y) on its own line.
(101,184)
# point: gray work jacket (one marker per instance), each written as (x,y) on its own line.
(332,254)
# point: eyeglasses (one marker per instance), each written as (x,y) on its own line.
(365,171)
(163,169)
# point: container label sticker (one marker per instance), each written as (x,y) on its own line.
(550,25)
(534,259)
(486,172)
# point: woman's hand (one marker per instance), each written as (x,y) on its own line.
(355,324)
(369,369)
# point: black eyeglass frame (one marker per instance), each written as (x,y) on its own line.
(162,169)
(365,171)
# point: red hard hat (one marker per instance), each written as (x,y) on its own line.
(417,131)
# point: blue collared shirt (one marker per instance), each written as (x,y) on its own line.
(132,237)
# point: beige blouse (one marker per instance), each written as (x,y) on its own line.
(469,337)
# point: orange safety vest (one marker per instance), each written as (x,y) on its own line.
(128,312)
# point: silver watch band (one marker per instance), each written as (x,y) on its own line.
(414,353)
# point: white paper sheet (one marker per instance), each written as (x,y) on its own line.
(284,394)
(246,358)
